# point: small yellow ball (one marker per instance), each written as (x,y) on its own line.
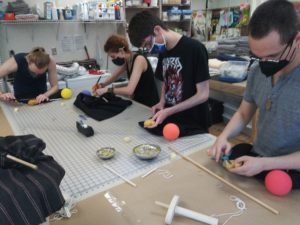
(66,93)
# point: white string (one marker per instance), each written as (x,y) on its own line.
(240,205)
(58,216)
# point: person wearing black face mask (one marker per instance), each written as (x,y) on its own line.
(118,61)
(272,88)
(141,85)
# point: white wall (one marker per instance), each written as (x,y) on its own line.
(23,37)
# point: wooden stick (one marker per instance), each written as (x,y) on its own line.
(119,175)
(13,158)
(164,205)
(225,181)
(149,172)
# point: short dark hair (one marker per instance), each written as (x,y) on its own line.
(142,25)
(274,15)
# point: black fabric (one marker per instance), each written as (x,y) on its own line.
(246,149)
(103,107)
(181,68)
(216,110)
(185,128)
(146,90)
(26,86)
(28,196)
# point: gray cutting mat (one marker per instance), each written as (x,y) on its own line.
(55,123)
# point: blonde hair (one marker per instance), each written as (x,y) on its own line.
(116,42)
(39,57)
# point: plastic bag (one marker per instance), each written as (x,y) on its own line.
(234,71)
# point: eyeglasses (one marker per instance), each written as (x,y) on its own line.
(254,58)
(259,59)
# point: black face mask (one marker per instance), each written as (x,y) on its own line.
(118,61)
(269,68)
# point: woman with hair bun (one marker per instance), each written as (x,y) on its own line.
(141,84)
(30,75)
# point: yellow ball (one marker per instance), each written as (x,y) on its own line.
(66,93)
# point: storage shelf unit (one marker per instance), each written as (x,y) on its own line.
(177,22)
(181,25)
(6,22)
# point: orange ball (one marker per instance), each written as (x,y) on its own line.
(171,131)
(278,182)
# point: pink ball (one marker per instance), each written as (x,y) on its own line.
(278,182)
(171,131)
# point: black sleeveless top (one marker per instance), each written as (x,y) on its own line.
(25,85)
(146,90)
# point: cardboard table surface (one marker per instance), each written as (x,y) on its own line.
(197,190)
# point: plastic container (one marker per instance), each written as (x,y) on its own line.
(186,14)
(234,71)
(174,14)
(117,12)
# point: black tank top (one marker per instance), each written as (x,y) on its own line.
(25,85)
(146,90)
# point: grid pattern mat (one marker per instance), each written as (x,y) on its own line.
(55,123)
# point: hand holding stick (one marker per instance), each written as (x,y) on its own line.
(225,181)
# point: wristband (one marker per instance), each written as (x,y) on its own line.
(110,90)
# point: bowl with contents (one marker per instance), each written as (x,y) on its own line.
(146,151)
(106,152)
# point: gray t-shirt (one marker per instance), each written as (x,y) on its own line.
(278,126)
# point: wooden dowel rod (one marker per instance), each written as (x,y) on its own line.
(164,205)
(225,181)
(13,158)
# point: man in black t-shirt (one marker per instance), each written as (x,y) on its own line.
(183,68)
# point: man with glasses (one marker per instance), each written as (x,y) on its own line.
(273,88)
(183,68)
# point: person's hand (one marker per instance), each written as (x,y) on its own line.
(250,166)
(160,116)
(101,91)
(220,147)
(159,106)
(41,98)
(95,87)
(7,97)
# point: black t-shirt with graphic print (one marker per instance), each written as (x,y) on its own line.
(181,68)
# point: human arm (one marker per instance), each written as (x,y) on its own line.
(201,95)
(161,104)
(9,66)
(237,123)
(139,66)
(100,89)
(116,73)
(52,77)
(254,165)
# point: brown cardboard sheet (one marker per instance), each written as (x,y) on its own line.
(198,191)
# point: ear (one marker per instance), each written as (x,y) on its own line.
(157,30)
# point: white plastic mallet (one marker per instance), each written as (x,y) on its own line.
(173,209)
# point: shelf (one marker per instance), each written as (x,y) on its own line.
(141,7)
(176,21)
(179,5)
(6,22)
